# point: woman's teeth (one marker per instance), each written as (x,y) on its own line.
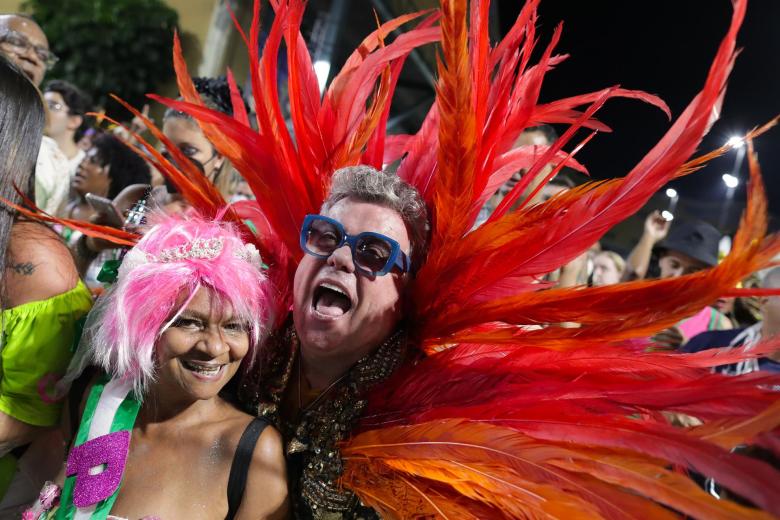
(205,370)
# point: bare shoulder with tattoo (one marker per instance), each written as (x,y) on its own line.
(38,265)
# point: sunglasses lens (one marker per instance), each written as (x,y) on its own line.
(322,237)
(372,253)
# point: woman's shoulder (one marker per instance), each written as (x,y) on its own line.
(38,265)
(259,464)
(235,423)
(266,494)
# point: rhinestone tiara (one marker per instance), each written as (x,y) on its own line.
(201,248)
(198,248)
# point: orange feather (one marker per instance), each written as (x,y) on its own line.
(457,128)
(526,478)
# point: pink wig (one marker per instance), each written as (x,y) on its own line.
(158,278)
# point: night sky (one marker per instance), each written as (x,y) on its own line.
(665,47)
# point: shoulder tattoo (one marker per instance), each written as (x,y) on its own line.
(22,268)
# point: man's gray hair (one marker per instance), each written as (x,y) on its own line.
(365,184)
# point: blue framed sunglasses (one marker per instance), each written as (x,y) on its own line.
(373,254)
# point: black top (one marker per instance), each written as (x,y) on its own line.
(724,338)
(239,469)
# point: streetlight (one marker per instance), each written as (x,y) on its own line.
(735,141)
(673,198)
(731,181)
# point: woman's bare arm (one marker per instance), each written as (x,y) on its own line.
(265,496)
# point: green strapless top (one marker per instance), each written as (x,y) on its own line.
(38,340)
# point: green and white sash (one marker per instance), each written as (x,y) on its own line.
(105,426)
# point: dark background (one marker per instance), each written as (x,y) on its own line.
(665,47)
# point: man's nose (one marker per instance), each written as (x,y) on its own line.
(31,55)
(341,259)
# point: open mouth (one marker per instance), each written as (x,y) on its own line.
(202,370)
(331,301)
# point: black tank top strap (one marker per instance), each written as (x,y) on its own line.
(239,470)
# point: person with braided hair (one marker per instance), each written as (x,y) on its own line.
(184,132)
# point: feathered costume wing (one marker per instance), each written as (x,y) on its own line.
(505,420)
(508,415)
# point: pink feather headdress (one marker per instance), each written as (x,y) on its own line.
(159,276)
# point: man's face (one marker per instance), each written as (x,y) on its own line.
(674,264)
(61,122)
(21,38)
(332,326)
(605,272)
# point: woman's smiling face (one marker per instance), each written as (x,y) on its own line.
(203,348)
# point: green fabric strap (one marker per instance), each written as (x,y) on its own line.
(109,272)
(123,420)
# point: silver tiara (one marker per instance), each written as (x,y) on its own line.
(198,248)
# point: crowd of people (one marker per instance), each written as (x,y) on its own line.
(165,370)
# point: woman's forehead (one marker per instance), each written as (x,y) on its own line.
(207,303)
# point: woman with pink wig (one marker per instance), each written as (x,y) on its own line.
(157,438)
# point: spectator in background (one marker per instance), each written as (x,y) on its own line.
(767,328)
(692,246)
(575,272)
(108,168)
(24,43)
(185,133)
(67,112)
(745,310)
(608,268)
(41,300)
(684,248)
(543,135)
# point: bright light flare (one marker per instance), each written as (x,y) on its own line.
(671,193)
(730,180)
(667,215)
(322,70)
(735,141)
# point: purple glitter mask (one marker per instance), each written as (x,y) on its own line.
(107,450)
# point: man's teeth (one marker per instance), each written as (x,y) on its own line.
(201,369)
(334,288)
